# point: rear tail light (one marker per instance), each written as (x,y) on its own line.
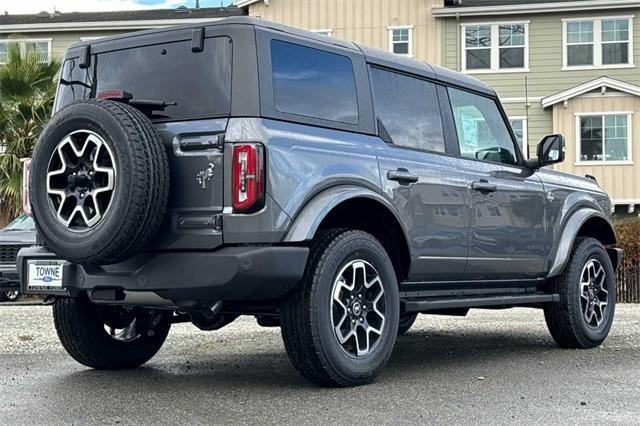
(248,177)
(26,169)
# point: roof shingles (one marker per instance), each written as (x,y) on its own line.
(134,15)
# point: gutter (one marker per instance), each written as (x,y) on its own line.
(97,26)
(565,6)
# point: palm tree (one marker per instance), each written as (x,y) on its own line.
(27,89)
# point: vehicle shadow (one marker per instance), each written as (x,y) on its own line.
(416,352)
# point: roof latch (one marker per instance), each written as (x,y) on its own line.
(85,57)
(197,40)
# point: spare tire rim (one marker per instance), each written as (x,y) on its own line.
(81,179)
(358,308)
(594,296)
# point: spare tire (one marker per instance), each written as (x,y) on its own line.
(99,182)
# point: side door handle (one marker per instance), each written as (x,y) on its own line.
(402,176)
(483,186)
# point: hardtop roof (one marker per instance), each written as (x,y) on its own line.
(380,57)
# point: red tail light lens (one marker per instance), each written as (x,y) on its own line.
(26,170)
(248,177)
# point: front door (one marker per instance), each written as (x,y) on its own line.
(506,228)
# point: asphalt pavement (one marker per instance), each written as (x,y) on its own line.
(490,367)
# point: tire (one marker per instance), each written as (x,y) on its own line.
(12,295)
(81,329)
(3,296)
(567,320)
(130,213)
(309,312)
(406,322)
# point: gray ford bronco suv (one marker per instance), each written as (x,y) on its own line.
(197,174)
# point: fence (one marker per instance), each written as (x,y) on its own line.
(628,285)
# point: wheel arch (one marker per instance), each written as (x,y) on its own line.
(356,208)
(587,222)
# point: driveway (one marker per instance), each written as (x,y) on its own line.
(490,367)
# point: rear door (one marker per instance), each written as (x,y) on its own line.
(417,177)
(507,231)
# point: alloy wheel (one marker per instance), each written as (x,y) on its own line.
(358,308)
(128,333)
(81,180)
(594,296)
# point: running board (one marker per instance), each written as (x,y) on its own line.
(417,305)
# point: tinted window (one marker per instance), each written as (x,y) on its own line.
(407,110)
(198,82)
(313,83)
(482,133)
(72,85)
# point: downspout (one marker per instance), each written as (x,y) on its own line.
(526,112)
(458,43)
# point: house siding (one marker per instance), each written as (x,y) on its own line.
(361,21)
(60,41)
(622,182)
(546,77)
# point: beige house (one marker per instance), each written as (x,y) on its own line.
(401,26)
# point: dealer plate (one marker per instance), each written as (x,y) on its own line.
(44,274)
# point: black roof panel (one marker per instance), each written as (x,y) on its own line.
(378,56)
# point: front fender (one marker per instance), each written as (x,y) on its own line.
(568,237)
(308,220)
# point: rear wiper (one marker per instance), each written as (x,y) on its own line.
(151,104)
(145,105)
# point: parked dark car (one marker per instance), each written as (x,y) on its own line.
(20,233)
(246,168)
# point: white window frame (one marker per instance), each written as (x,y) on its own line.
(597,43)
(578,138)
(525,133)
(326,32)
(391,43)
(495,47)
(22,42)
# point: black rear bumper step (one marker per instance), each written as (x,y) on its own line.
(423,305)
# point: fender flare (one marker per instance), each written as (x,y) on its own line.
(569,235)
(308,220)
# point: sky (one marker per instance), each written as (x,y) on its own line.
(35,6)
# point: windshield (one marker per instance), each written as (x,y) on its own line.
(22,223)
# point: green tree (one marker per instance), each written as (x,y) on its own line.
(27,90)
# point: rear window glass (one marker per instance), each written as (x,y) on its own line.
(313,83)
(72,85)
(199,83)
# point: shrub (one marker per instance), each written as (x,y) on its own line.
(628,231)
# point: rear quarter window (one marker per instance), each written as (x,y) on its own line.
(313,83)
(407,110)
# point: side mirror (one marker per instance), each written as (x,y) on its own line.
(550,151)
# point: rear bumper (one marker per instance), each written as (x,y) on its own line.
(230,273)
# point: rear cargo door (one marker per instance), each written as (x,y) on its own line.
(193,78)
